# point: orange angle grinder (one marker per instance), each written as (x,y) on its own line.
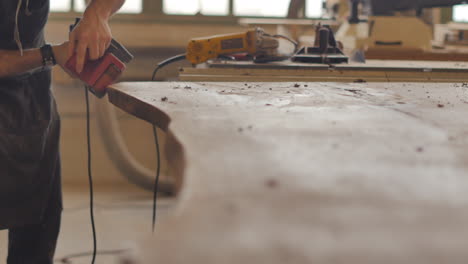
(98,74)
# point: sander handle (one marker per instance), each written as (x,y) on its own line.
(98,74)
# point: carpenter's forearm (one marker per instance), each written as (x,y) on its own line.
(12,63)
(105,8)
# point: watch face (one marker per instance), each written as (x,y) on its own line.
(49,63)
(48,59)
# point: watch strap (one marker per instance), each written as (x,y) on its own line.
(48,58)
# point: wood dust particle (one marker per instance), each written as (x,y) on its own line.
(352,91)
(271,183)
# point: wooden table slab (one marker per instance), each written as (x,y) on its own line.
(447,53)
(371,71)
(310,172)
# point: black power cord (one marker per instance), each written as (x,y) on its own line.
(158,170)
(296,45)
(69,258)
(156,140)
(167,62)
(91,189)
(90,176)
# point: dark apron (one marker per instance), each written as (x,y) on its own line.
(29,123)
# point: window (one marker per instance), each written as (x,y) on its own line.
(60,6)
(277,8)
(260,8)
(192,7)
(130,6)
(314,8)
(460,13)
(251,8)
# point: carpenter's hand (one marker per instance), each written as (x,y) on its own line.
(61,56)
(92,35)
(61,53)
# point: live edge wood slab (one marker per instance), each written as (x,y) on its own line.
(310,172)
(371,71)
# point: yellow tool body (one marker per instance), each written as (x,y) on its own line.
(255,42)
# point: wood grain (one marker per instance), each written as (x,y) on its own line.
(371,71)
(450,53)
(310,172)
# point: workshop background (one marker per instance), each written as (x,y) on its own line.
(152,30)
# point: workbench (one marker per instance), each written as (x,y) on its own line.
(371,71)
(309,172)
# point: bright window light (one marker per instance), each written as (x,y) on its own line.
(460,13)
(268,8)
(216,7)
(314,8)
(259,8)
(192,7)
(79,5)
(60,6)
(130,6)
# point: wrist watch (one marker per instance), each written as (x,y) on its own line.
(48,58)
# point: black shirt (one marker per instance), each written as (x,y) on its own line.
(29,125)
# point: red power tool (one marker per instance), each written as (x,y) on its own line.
(98,74)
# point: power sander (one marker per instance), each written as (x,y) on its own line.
(99,74)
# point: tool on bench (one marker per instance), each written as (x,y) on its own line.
(98,74)
(325,50)
(255,45)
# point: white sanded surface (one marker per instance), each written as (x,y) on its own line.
(311,172)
